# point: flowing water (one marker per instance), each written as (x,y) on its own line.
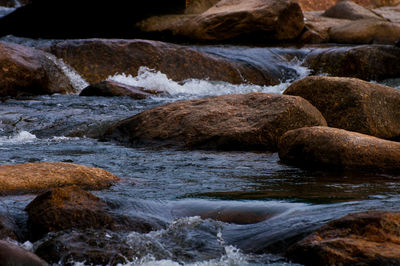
(217,208)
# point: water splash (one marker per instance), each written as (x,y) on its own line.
(155,80)
(19,138)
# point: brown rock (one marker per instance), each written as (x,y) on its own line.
(34,177)
(353,104)
(11,254)
(311,5)
(8,228)
(272,20)
(377,3)
(110,88)
(199,6)
(366,32)
(350,10)
(324,146)
(375,62)
(28,71)
(252,121)
(96,59)
(368,238)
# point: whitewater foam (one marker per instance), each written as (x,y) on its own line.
(20,137)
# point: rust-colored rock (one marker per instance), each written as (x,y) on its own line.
(11,254)
(368,238)
(311,5)
(35,177)
(110,88)
(28,71)
(350,10)
(97,59)
(353,104)
(240,20)
(252,121)
(325,146)
(375,62)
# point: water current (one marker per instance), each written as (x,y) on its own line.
(191,192)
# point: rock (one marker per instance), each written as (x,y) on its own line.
(368,31)
(97,59)
(367,238)
(52,20)
(338,148)
(28,71)
(11,254)
(377,3)
(375,62)
(353,104)
(35,177)
(239,20)
(199,6)
(350,10)
(110,88)
(252,121)
(8,228)
(310,5)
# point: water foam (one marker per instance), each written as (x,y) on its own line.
(155,80)
(19,138)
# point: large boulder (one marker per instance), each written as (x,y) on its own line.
(252,121)
(28,71)
(368,238)
(34,177)
(239,20)
(353,104)
(96,59)
(350,10)
(11,254)
(374,62)
(368,31)
(331,147)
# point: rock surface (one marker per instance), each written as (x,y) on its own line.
(252,121)
(368,238)
(96,59)
(11,254)
(350,10)
(199,6)
(28,71)
(331,147)
(110,88)
(35,177)
(353,104)
(375,62)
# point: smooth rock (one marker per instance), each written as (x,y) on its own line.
(374,62)
(252,121)
(239,20)
(28,71)
(350,10)
(110,88)
(367,238)
(13,255)
(340,149)
(353,104)
(97,59)
(199,6)
(369,31)
(36,177)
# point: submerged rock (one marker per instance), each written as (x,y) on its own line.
(97,59)
(28,71)
(35,177)
(331,147)
(353,104)
(350,10)
(112,88)
(368,238)
(374,62)
(11,254)
(252,121)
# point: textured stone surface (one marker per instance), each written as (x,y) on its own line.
(350,10)
(11,254)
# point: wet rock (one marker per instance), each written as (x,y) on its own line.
(35,177)
(96,59)
(28,71)
(350,10)
(375,62)
(331,147)
(368,238)
(11,254)
(270,20)
(110,88)
(353,104)
(8,228)
(252,121)
(368,31)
